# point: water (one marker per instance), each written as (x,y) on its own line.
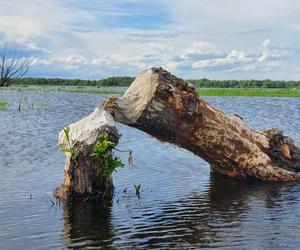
(181,205)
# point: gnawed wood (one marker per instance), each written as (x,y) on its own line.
(82,173)
(166,107)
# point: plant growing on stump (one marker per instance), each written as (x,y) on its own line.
(103,151)
(71,144)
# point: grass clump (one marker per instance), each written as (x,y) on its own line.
(103,151)
(4,105)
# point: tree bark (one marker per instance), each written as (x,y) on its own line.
(167,108)
(82,173)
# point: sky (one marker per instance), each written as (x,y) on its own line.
(215,39)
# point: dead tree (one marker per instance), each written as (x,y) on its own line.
(82,174)
(169,109)
(12,67)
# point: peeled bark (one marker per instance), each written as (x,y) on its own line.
(169,109)
(82,173)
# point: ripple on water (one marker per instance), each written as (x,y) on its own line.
(181,205)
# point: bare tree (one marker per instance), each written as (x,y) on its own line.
(12,67)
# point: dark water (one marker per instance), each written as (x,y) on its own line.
(181,205)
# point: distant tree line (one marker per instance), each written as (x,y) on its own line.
(126,81)
(111,81)
(206,83)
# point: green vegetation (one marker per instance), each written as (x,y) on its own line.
(93,91)
(206,83)
(201,91)
(71,144)
(137,190)
(20,102)
(111,81)
(126,81)
(216,92)
(103,151)
(38,107)
(248,92)
(4,105)
(21,105)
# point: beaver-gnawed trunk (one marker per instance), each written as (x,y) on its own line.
(82,174)
(167,108)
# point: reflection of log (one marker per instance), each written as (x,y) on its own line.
(170,110)
(87,224)
(82,172)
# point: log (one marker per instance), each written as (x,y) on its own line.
(170,110)
(82,172)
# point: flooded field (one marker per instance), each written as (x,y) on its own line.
(181,204)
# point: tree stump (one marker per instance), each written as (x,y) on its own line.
(167,108)
(82,173)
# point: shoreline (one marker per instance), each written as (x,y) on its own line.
(108,90)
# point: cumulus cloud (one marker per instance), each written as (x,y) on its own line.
(265,51)
(94,40)
(233,58)
(200,51)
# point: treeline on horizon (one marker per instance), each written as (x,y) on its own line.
(125,81)
(110,81)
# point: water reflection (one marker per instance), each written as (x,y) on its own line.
(228,213)
(86,224)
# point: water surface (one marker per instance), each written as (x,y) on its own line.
(181,206)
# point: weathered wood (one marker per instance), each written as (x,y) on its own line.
(82,174)
(169,109)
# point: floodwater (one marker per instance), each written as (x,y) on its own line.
(181,205)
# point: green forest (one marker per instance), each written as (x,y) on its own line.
(197,83)
(111,81)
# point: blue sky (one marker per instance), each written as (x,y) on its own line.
(228,39)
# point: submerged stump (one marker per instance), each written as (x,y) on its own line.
(167,108)
(83,178)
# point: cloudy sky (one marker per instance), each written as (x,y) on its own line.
(229,39)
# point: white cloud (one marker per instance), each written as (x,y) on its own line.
(266,43)
(265,51)
(265,60)
(72,37)
(202,48)
(232,58)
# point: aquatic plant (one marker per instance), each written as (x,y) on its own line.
(4,105)
(21,102)
(38,107)
(103,151)
(137,190)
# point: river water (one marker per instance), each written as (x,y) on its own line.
(181,204)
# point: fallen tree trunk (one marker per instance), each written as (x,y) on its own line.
(83,178)
(169,109)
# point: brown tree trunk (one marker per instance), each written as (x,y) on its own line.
(82,178)
(169,109)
